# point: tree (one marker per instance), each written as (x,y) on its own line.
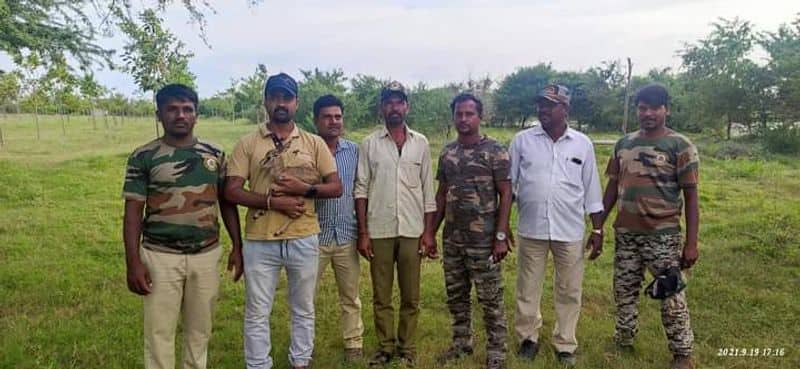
(55,31)
(248,96)
(365,100)
(783,47)
(154,56)
(10,89)
(717,68)
(430,108)
(515,96)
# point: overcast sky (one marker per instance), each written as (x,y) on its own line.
(443,41)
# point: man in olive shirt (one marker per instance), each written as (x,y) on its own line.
(394,192)
(287,168)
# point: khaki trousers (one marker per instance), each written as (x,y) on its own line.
(346,270)
(404,253)
(532,258)
(182,284)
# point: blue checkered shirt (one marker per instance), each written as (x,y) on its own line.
(337,217)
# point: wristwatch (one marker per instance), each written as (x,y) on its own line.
(311,193)
(500,236)
(598,232)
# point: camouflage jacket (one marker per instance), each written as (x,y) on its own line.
(180,187)
(470,172)
(651,174)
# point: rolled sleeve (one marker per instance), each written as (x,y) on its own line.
(429,199)
(363,173)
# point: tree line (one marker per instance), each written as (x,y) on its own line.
(720,87)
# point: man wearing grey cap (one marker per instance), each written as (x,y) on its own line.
(287,169)
(394,193)
(555,180)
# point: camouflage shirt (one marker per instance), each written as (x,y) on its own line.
(180,188)
(470,172)
(651,174)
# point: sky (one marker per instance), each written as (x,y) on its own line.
(443,41)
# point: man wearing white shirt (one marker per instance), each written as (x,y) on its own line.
(555,180)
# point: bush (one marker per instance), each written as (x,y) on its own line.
(782,140)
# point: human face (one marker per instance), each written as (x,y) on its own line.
(330,122)
(652,118)
(466,119)
(551,114)
(178,117)
(394,110)
(281,106)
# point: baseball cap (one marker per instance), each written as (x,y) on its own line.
(281,81)
(554,93)
(393,88)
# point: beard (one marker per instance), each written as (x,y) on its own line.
(394,119)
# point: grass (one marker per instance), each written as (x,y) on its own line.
(64,302)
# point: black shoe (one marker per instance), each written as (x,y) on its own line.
(379,359)
(567,359)
(528,350)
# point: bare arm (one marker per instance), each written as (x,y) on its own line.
(609,200)
(230,217)
(692,209)
(331,187)
(441,198)
(137,275)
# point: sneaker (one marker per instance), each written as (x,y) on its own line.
(453,353)
(379,359)
(494,362)
(567,359)
(353,354)
(682,362)
(528,350)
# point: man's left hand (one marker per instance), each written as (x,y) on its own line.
(287,184)
(690,256)
(427,246)
(595,243)
(236,263)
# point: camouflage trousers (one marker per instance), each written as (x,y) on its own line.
(465,265)
(656,253)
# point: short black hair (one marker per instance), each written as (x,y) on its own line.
(653,94)
(326,101)
(464,97)
(175,91)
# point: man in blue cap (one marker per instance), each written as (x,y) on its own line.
(287,169)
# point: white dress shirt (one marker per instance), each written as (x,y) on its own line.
(555,183)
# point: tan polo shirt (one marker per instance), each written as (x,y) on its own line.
(306,154)
(399,187)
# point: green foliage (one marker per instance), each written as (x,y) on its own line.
(783,47)
(316,83)
(154,56)
(430,110)
(514,97)
(784,139)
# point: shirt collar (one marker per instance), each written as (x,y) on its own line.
(265,132)
(409,131)
(538,130)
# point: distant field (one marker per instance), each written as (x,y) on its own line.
(64,302)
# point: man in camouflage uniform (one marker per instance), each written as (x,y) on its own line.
(474,200)
(176,180)
(647,172)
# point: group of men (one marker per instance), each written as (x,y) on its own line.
(314,200)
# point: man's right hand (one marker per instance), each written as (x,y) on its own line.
(292,206)
(139,281)
(365,246)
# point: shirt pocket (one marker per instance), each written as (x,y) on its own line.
(573,171)
(410,173)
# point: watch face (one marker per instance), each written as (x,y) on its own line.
(500,236)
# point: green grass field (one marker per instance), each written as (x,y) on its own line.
(64,302)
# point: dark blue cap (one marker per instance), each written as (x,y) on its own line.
(281,81)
